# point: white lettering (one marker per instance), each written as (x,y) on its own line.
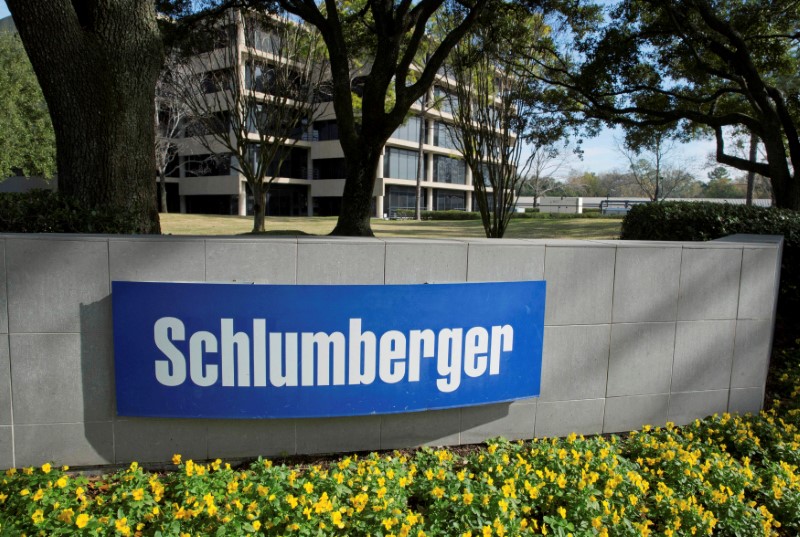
(172,372)
(476,343)
(259,353)
(199,342)
(501,335)
(392,369)
(323,343)
(361,372)
(448,359)
(241,355)
(425,338)
(278,374)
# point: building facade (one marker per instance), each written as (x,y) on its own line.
(311,179)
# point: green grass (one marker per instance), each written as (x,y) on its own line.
(521,228)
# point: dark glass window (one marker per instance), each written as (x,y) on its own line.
(409,130)
(206,165)
(443,136)
(400,163)
(329,168)
(326,130)
(449,170)
(399,197)
(445,200)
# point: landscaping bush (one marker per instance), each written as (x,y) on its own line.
(702,221)
(42,211)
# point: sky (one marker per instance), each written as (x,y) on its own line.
(600,154)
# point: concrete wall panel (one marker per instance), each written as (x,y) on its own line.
(646,284)
(512,421)
(6,447)
(3,297)
(338,434)
(579,284)
(50,279)
(687,407)
(560,418)
(703,355)
(746,400)
(432,262)
(757,290)
(154,440)
(241,438)
(630,413)
(75,444)
(508,261)
(258,261)
(56,380)
(5,382)
(640,361)
(751,353)
(157,259)
(340,262)
(434,427)
(709,287)
(575,362)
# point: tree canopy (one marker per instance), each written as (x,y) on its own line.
(27,142)
(696,66)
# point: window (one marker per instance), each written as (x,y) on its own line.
(409,130)
(400,197)
(206,165)
(326,130)
(443,136)
(449,170)
(400,163)
(329,168)
(447,102)
(449,201)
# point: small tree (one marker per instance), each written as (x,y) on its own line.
(254,96)
(546,161)
(648,159)
(491,114)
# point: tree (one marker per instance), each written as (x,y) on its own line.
(491,113)
(390,34)
(649,166)
(696,65)
(97,64)
(255,100)
(545,163)
(27,142)
(720,185)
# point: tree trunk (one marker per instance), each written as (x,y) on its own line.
(162,190)
(751,175)
(357,198)
(97,66)
(259,208)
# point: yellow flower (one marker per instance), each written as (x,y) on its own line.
(308,487)
(138,494)
(62,482)
(256,525)
(438,492)
(467,497)
(82,520)
(66,516)
(121,525)
(38,516)
(176,459)
(46,468)
(38,495)
(336,519)
(562,512)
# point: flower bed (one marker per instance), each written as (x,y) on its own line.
(725,475)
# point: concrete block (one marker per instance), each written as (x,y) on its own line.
(250,438)
(703,356)
(641,358)
(61,378)
(5,382)
(746,400)
(751,353)
(331,435)
(687,407)
(157,259)
(575,362)
(429,428)
(49,280)
(3,296)
(340,262)
(630,413)
(492,262)
(758,293)
(75,444)
(6,448)
(512,421)
(561,418)
(579,284)
(263,261)
(157,440)
(709,283)
(646,284)
(425,261)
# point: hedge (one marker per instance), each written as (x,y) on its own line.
(41,211)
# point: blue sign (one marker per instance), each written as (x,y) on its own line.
(294,351)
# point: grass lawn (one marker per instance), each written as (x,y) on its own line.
(520,228)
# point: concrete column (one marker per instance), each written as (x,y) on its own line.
(183,204)
(242,200)
(430,199)
(429,171)
(468,201)
(309,203)
(468,176)
(378,207)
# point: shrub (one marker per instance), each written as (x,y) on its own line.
(41,211)
(702,221)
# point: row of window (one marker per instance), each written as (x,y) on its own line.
(403,164)
(404,197)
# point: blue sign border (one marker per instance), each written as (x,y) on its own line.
(202,322)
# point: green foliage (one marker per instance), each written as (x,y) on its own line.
(40,211)
(27,141)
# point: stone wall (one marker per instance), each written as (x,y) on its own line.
(635,333)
